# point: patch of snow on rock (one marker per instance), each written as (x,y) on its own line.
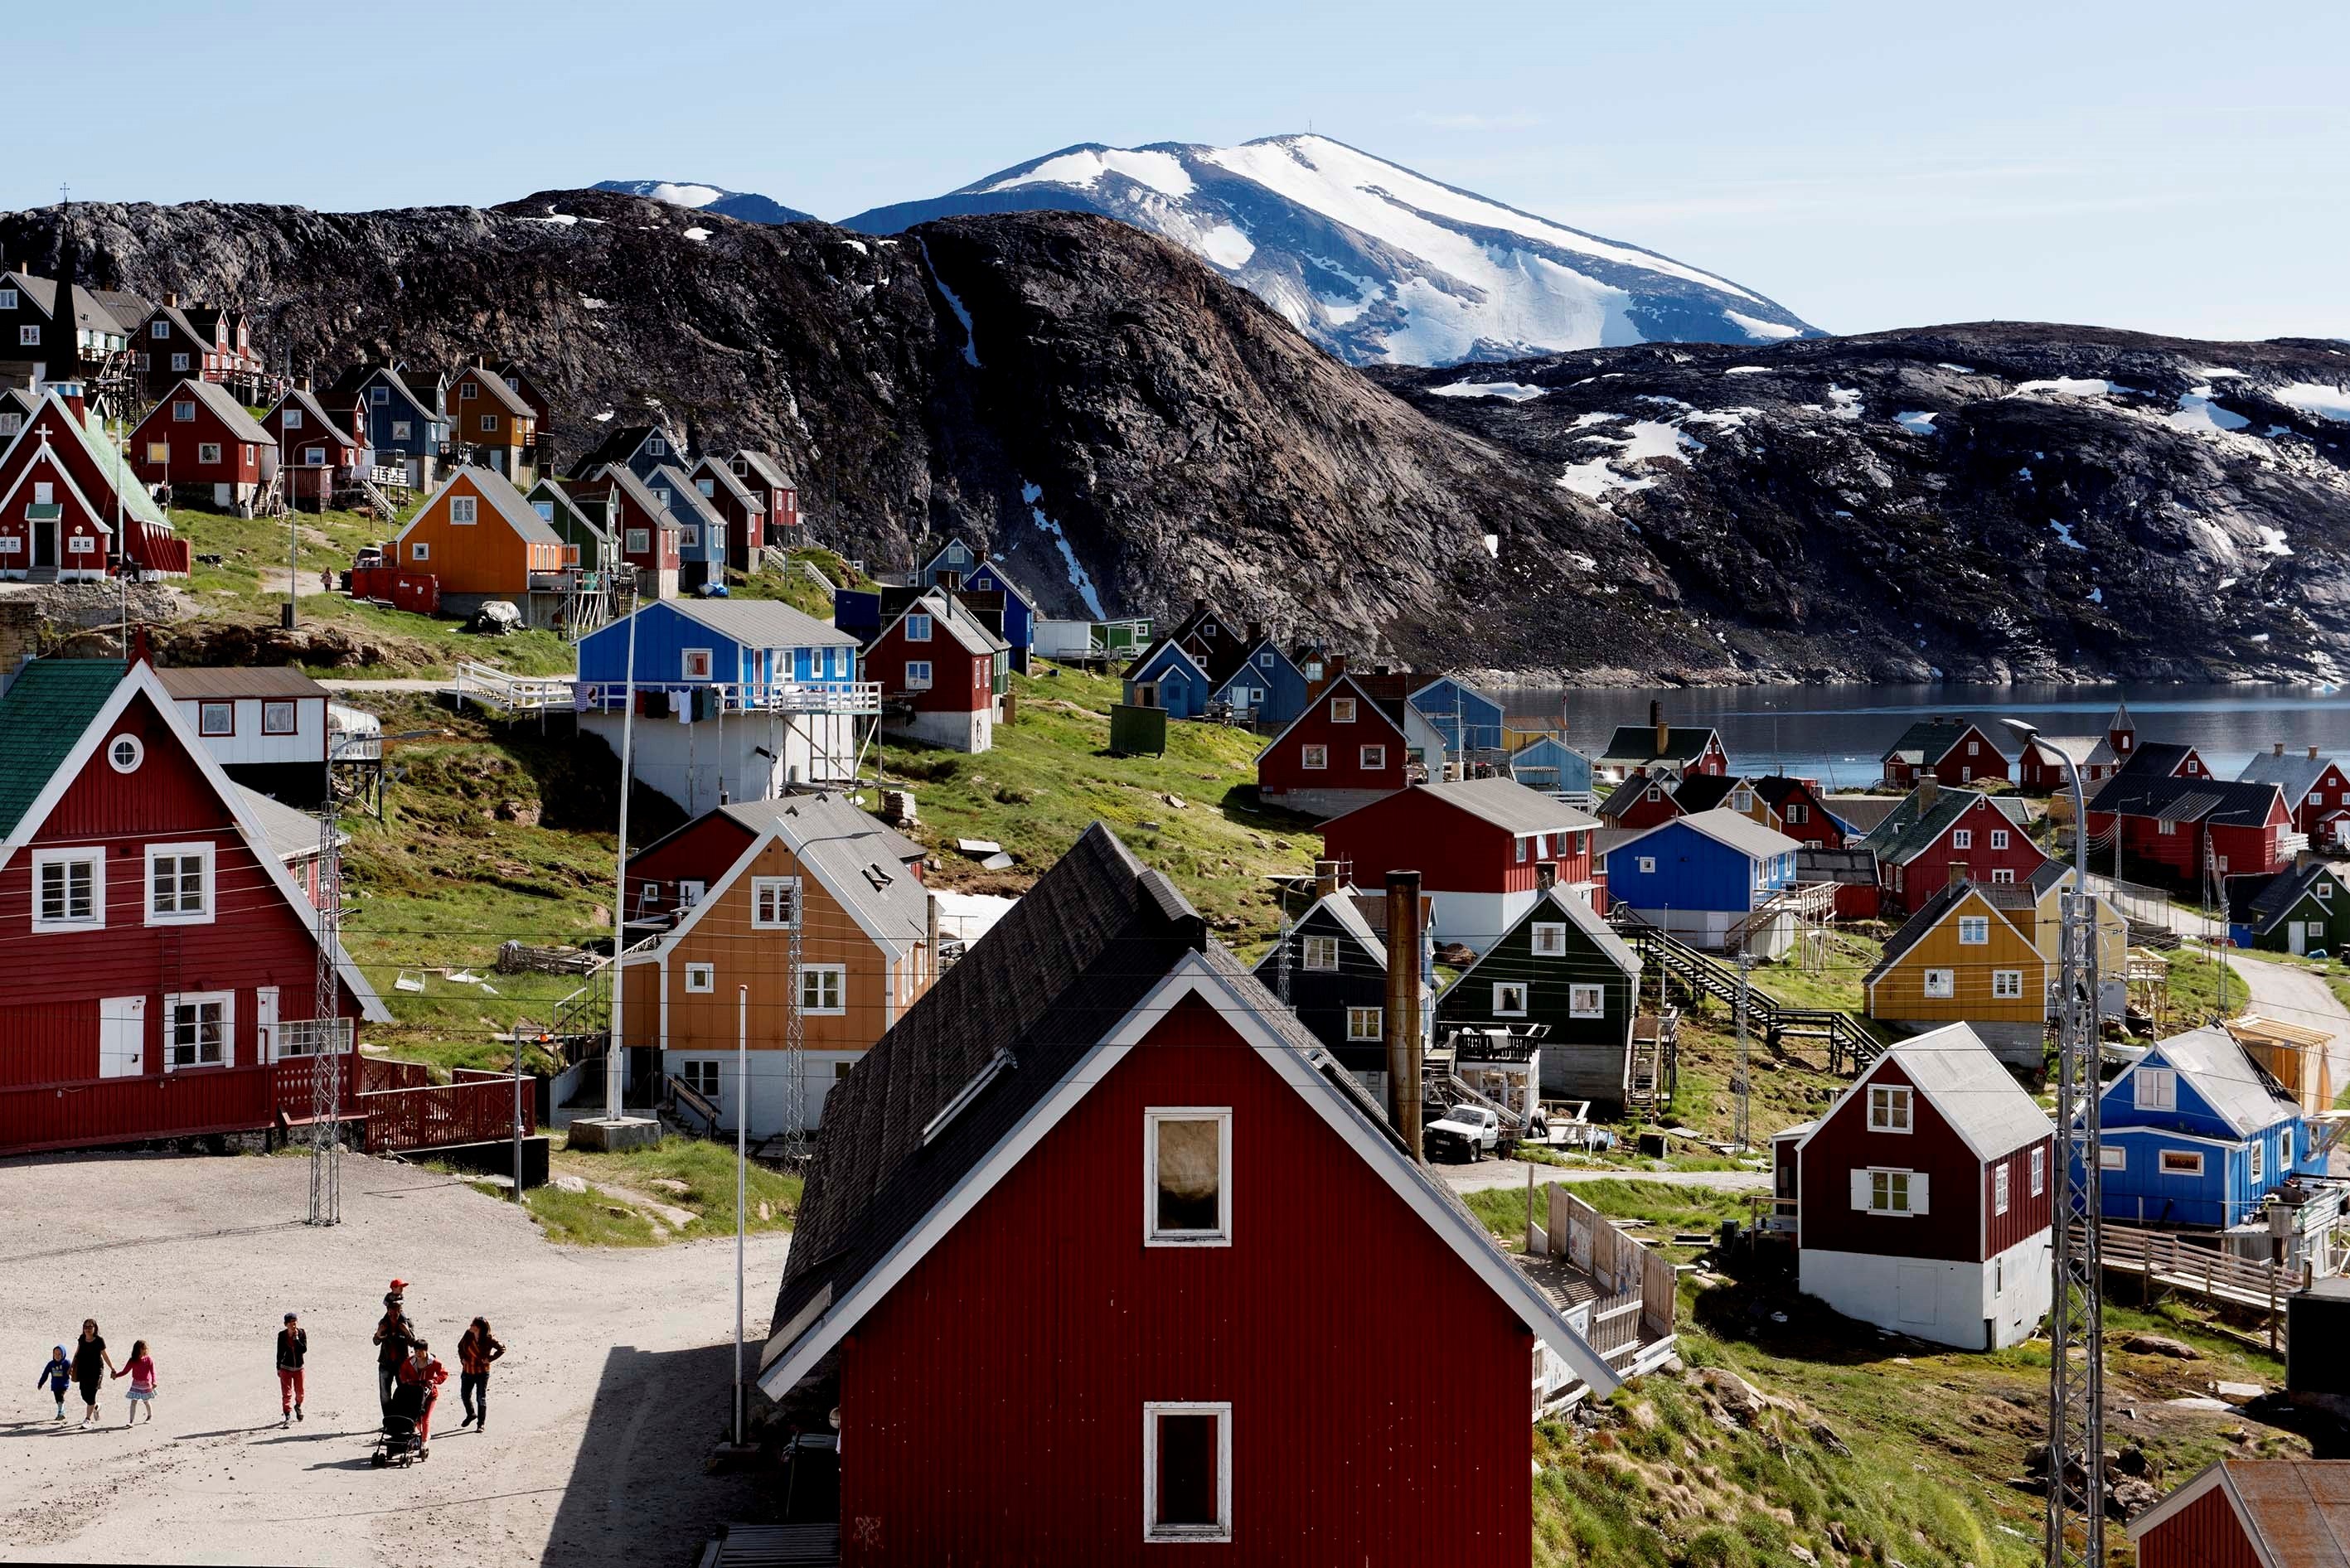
(1162,172)
(1916,421)
(589,302)
(1516,392)
(1762,331)
(1844,402)
(1585,421)
(1962,370)
(697,233)
(684,195)
(1226,246)
(2313,398)
(2197,411)
(1643,440)
(1748,371)
(2075,387)
(1078,578)
(2272,540)
(2063,531)
(969,342)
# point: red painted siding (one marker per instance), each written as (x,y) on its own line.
(1951,1228)
(1818,826)
(2248,851)
(2203,1534)
(1282,767)
(960,681)
(1454,851)
(703,851)
(991,1405)
(240,461)
(2027,1213)
(1652,807)
(1929,871)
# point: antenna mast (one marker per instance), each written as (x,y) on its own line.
(329,1032)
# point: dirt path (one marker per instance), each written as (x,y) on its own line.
(1487,1174)
(615,1388)
(2296,996)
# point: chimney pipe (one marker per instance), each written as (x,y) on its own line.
(1930,791)
(1199,606)
(1664,731)
(1256,631)
(1325,879)
(2279,749)
(932,901)
(1403,1011)
(2312,753)
(170,298)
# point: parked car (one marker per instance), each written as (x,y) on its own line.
(1471,1129)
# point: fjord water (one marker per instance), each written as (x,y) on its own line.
(1835,733)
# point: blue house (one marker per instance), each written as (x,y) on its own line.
(1549,765)
(401,422)
(1168,676)
(1263,684)
(1700,876)
(700,529)
(1019,610)
(2196,1133)
(746,646)
(954,557)
(1466,719)
(642,450)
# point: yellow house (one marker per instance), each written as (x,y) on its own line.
(1962,959)
(820,869)
(2037,909)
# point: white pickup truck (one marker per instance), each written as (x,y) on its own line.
(1472,1129)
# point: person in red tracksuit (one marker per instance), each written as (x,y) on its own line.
(422,1366)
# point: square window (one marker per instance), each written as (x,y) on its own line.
(400,430)
(179,884)
(1941,982)
(1186,1471)
(1509,998)
(690,890)
(639,541)
(1962,838)
(1974,930)
(1999,1189)
(1315,757)
(1341,710)
(696,664)
(379,395)
(68,889)
(196,1030)
(701,977)
(1550,939)
(465,391)
(688,535)
(1647,865)
(277,717)
(918,629)
(2154,1089)
(918,675)
(656,447)
(1587,1001)
(208,452)
(1186,1152)
(461,510)
(1322,952)
(701,1077)
(1889,1109)
(2039,1171)
(1264,661)
(774,903)
(183,412)
(2007,984)
(2002,875)
(824,987)
(313,457)
(216,718)
(1374,758)
(28,337)
(293,421)
(1889,1191)
(420,551)
(1365,1022)
(179,361)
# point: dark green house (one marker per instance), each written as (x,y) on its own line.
(1559,966)
(2300,909)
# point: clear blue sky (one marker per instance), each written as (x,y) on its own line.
(2174,167)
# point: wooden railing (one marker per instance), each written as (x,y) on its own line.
(1850,1047)
(477,1110)
(198,1103)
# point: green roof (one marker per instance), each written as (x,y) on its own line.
(113,462)
(42,717)
(1908,828)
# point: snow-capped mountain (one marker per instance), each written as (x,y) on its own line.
(749,206)
(1374,262)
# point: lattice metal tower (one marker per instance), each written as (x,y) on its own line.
(328,1036)
(795,1142)
(2077,1424)
(1745,1066)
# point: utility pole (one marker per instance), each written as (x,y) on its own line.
(1745,1065)
(331,1041)
(741,1177)
(796,1144)
(613,1060)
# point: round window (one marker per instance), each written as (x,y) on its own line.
(125,753)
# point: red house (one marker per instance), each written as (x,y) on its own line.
(1643,800)
(65,493)
(176,342)
(166,955)
(318,452)
(1345,750)
(1940,836)
(2316,790)
(648,535)
(199,440)
(1919,1202)
(943,1289)
(2251,1513)
(941,674)
(1803,816)
(1479,844)
(2177,830)
(778,496)
(1954,750)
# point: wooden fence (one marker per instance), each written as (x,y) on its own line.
(477,1109)
(2167,1261)
(1636,1287)
(96,1114)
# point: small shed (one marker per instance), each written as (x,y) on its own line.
(2251,1514)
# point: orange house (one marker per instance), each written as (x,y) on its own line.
(492,424)
(485,542)
(825,869)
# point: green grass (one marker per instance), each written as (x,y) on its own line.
(707,1171)
(2202,986)
(589,1219)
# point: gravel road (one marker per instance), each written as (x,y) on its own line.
(613,1394)
(1486,1174)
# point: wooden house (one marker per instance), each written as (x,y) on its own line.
(1547,762)
(1643,800)
(1656,745)
(2316,790)
(578,522)
(643,525)
(1345,750)
(2296,1055)
(1959,959)
(165,954)
(2195,1134)
(265,727)
(178,342)
(490,425)
(400,420)
(2303,908)
(1467,721)
(1920,1198)
(700,529)
(741,507)
(1334,978)
(815,865)
(1850,871)
(1479,846)
(941,674)
(484,542)
(1799,810)
(1170,676)
(940,1290)
(779,497)
(1952,750)
(751,697)
(2177,830)
(71,505)
(1938,836)
(199,440)
(17,406)
(1706,879)
(318,454)
(1563,972)
(1019,613)
(953,560)
(1256,682)
(519,381)
(54,341)
(2251,1513)
(639,449)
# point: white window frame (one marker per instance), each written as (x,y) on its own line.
(2000,1184)
(172,1005)
(2007,984)
(401,428)
(183,412)
(1316,758)
(2154,1089)
(1974,930)
(1367,1023)
(379,395)
(2176,1162)
(815,975)
(688,536)
(85,544)
(1962,838)
(1586,1001)
(1892,1108)
(917,628)
(1941,984)
(292,420)
(701,979)
(1998,838)
(1341,710)
(1373,758)
(2002,875)
(208,452)
(201,849)
(918,675)
(764,890)
(2113,1156)
(1502,995)
(1550,939)
(1321,954)
(28,337)
(655,447)
(463,512)
(275,708)
(2256,1154)
(1647,865)
(2284,1148)
(1222,1234)
(204,712)
(639,541)
(95,859)
(1152,1532)
(125,753)
(695,663)
(2040,1169)
(419,550)
(8,302)
(1908,1208)
(179,361)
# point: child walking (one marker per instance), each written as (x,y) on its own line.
(140,1370)
(474,1354)
(59,1375)
(293,1345)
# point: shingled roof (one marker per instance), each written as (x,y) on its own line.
(2297,774)
(1928,740)
(42,719)
(2261,902)
(1637,743)
(2227,803)
(1910,827)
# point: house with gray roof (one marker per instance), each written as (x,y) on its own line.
(1954,750)
(2196,1133)
(2316,790)
(1936,835)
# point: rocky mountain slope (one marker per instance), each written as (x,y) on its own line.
(747,205)
(1377,264)
(1128,429)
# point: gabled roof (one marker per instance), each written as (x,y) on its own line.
(1004,582)
(724,476)
(90,429)
(2296,774)
(2048,874)
(1928,740)
(1346,678)
(46,458)
(1556,904)
(564,499)
(618,445)
(1509,804)
(959,624)
(764,466)
(623,478)
(495,384)
(1734,829)
(354,381)
(1551,742)
(2261,901)
(1635,788)
(1343,908)
(1934,912)
(859,860)
(1637,743)
(760,623)
(2240,1091)
(2156,757)
(128,309)
(314,413)
(1912,827)
(2295,1513)
(1164,643)
(1009,1041)
(683,492)
(502,498)
(1853,866)
(2224,803)
(222,407)
(1703,792)
(1977,1097)
(86,309)
(291,834)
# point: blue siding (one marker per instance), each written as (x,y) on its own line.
(426,430)
(1692,872)
(1268,671)
(1182,688)
(857,613)
(2224,1193)
(1464,716)
(1019,618)
(1553,766)
(664,636)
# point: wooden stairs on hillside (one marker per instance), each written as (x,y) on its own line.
(1850,1045)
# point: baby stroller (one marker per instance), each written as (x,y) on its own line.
(398,1443)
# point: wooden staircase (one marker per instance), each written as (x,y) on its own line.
(1850,1045)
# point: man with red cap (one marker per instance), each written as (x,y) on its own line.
(395,1336)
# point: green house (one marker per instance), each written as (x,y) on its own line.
(2300,909)
(1560,966)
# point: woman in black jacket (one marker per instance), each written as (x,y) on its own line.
(91,1365)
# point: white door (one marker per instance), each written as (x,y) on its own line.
(2299,933)
(265,1022)
(122,1037)
(1918,1290)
